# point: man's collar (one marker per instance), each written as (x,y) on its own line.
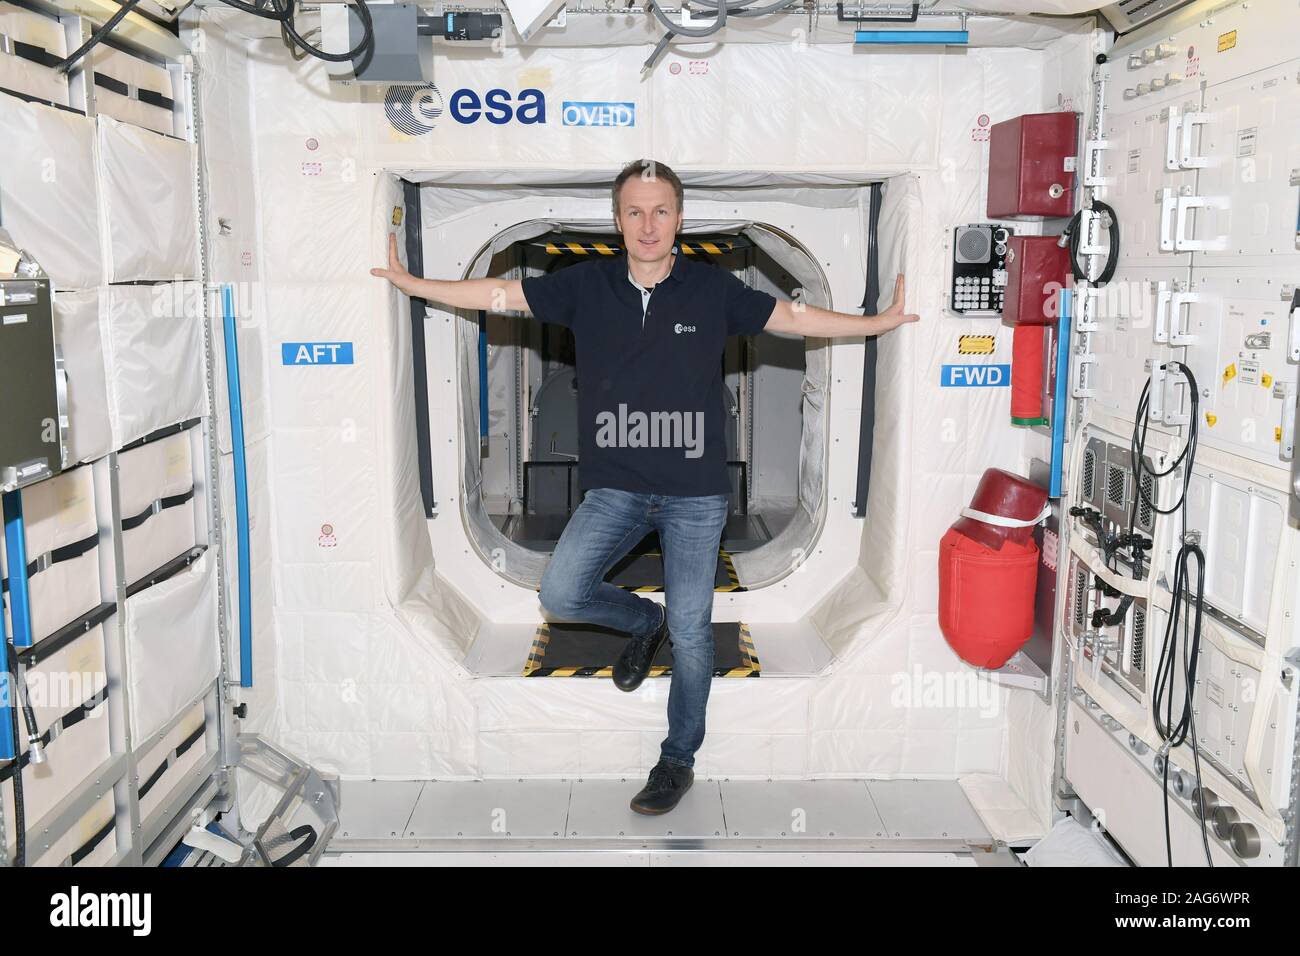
(674,273)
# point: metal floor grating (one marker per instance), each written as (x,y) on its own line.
(929,822)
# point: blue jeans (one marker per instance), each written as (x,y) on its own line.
(606,526)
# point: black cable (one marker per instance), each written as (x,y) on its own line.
(367,34)
(1111,618)
(295,53)
(96,37)
(1137,447)
(743,8)
(1175,732)
(266,9)
(20,810)
(1071,238)
(278,10)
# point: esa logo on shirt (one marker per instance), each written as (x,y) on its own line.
(679,328)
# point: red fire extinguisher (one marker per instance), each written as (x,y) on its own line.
(988,570)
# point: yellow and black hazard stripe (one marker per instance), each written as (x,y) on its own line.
(749,656)
(733,581)
(536,664)
(582,249)
(976,344)
(538,651)
(707,247)
(729,566)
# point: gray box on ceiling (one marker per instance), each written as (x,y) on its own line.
(399,54)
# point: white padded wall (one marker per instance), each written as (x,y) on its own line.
(56,513)
(170,649)
(147,475)
(137,73)
(77,333)
(168,758)
(61,683)
(48,190)
(153,352)
(147,183)
(26,76)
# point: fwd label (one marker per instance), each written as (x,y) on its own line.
(975,376)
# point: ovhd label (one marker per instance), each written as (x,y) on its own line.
(316,353)
(598,114)
(975,376)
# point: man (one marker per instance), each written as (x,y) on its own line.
(650,328)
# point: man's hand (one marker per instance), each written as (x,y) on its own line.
(894,316)
(808,320)
(497,295)
(396,273)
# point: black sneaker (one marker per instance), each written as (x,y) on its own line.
(666,786)
(633,664)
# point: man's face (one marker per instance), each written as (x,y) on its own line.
(648,218)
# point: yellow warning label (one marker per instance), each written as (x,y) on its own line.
(1266,380)
(976,344)
(1227,41)
(1277,434)
(1229,373)
(397,215)
(1211,419)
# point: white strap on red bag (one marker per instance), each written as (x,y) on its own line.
(999,521)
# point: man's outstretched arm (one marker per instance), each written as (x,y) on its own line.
(808,320)
(498,295)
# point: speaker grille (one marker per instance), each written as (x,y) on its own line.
(974,245)
(1145,511)
(1089,474)
(1115,485)
(1080,597)
(1137,646)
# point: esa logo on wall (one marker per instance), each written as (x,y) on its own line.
(498,107)
(415,110)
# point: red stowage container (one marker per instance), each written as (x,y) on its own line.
(1027,375)
(988,573)
(1037,270)
(1028,156)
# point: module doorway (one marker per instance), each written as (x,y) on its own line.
(519,409)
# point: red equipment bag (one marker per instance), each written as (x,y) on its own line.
(988,570)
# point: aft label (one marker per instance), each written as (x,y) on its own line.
(316,353)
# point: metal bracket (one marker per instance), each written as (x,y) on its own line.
(1168,206)
(1092,151)
(1185,158)
(1178,334)
(1185,243)
(1293,333)
(1289,410)
(1171,140)
(1085,319)
(1078,376)
(1160,323)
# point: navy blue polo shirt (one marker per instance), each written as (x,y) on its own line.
(651,406)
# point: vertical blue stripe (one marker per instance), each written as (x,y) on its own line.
(1060,392)
(20,609)
(241,486)
(20,614)
(6,696)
